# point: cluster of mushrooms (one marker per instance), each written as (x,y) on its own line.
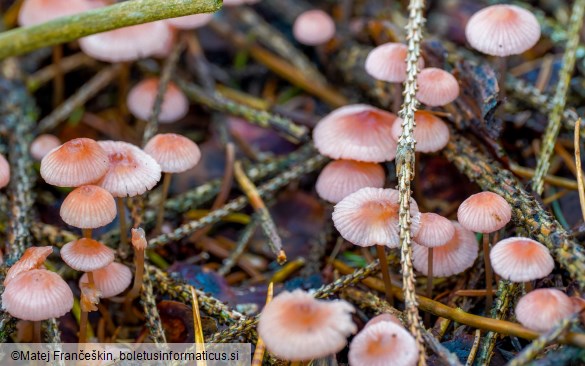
(294,326)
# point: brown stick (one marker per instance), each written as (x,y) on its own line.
(59,80)
(385,274)
(160,215)
(429,284)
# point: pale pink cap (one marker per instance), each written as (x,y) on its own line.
(296,327)
(381,342)
(356,132)
(174,153)
(341,178)
(370,217)
(435,230)
(452,258)
(436,87)
(502,30)
(541,309)
(88,207)
(127,44)
(313,27)
(190,21)
(131,171)
(141,100)
(34,12)
(484,212)
(384,317)
(139,239)
(42,145)
(521,259)
(111,280)
(75,163)
(86,255)
(387,62)
(37,295)
(4,172)
(430,133)
(33,258)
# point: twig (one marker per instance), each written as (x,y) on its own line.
(560,97)
(263,215)
(534,348)
(260,346)
(67,64)
(86,92)
(550,179)
(148,300)
(405,162)
(474,347)
(578,167)
(198,328)
(218,102)
(242,243)
(237,204)
(527,211)
(123,14)
(165,77)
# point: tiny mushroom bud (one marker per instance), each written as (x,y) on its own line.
(75,163)
(340,178)
(42,145)
(356,132)
(541,309)
(436,87)
(313,27)
(502,30)
(387,62)
(295,326)
(521,259)
(142,96)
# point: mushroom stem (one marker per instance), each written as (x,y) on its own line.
(429,284)
(161,208)
(37,331)
(385,274)
(122,218)
(528,286)
(58,81)
(139,263)
(123,81)
(86,233)
(83,326)
(90,280)
(488,272)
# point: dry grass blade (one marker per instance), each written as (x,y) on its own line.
(578,167)
(260,346)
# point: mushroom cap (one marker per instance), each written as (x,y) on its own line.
(356,132)
(541,309)
(521,259)
(484,212)
(139,239)
(88,207)
(313,27)
(141,100)
(295,326)
(75,163)
(131,171)
(174,153)
(341,178)
(387,62)
(436,87)
(4,172)
(128,43)
(43,144)
(430,133)
(190,21)
(86,255)
(33,258)
(502,30)
(384,317)
(454,257)
(370,217)
(435,230)
(111,280)
(36,295)
(381,342)
(34,12)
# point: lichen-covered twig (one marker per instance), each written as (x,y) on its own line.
(405,161)
(527,211)
(242,243)
(538,345)
(122,14)
(165,77)
(86,92)
(148,300)
(560,97)
(237,204)
(217,102)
